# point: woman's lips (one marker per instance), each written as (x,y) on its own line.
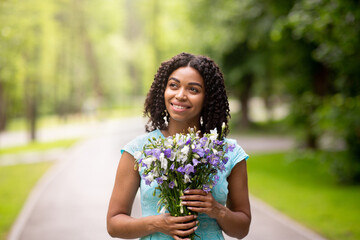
(178,107)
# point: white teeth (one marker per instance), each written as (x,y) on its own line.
(178,107)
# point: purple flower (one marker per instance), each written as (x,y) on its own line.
(181,170)
(189,169)
(195,162)
(167,153)
(199,151)
(171,184)
(225,160)
(231,147)
(159,180)
(148,152)
(172,167)
(147,182)
(206,188)
(156,153)
(213,159)
(188,141)
(217,142)
(203,141)
(216,179)
(222,167)
(207,150)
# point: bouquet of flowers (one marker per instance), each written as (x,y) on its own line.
(181,162)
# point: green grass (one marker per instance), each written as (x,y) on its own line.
(50,121)
(38,146)
(304,190)
(16,183)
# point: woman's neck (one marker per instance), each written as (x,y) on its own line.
(175,127)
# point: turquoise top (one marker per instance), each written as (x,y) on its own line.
(208,229)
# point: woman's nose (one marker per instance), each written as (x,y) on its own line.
(180,95)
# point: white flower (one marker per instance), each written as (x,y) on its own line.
(150,177)
(173,155)
(168,142)
(163,161)
(137,154)
(181,158)
(163,210)
(187,178)
(185,150)
(214,134)
(148,160)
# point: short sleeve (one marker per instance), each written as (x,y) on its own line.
(131,147)
(237,155)
(138,143)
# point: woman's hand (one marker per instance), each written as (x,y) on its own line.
(198,200)
(177,227)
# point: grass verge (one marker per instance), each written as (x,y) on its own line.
(51,121)
(16,183)
(38,146)
(304,190)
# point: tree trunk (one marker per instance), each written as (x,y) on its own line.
(31,109)
(2,108)
(155,35)
(90,54)
(245,93)
(321,87)
(132,33)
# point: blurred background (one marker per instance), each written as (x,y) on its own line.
(292,71)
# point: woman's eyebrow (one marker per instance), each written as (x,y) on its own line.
(195,83)
(191,83)
(175,79)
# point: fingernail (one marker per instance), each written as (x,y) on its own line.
(182,197)
(186,191)
(195,228)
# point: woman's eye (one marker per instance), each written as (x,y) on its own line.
(172,85)
(194,90)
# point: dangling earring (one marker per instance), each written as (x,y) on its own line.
(201,120)
(166,118)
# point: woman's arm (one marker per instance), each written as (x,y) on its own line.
(121,224)
(236,217)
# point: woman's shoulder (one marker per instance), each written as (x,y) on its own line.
(138,142)
(236,153)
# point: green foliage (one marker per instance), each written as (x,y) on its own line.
(339,115)
(299,185)
(16,183)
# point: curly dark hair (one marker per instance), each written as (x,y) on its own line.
(215,111)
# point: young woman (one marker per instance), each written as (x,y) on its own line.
(188,91)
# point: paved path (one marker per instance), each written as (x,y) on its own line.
(71,201)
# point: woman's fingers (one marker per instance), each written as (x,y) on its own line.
(195,192)
(187,225)
(184,233)
(179,227)
(183,219)
(200,201)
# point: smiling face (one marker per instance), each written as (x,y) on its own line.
(184,96)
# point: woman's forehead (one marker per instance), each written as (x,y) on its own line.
(187,74)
